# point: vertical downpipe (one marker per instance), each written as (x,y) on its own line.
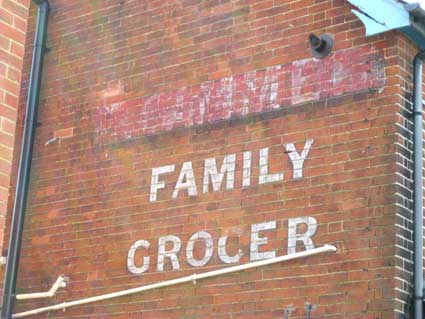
(12,265)
(418,184)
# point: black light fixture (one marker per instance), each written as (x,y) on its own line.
(321,46)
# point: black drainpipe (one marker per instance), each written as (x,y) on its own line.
(25,162)
(418,184)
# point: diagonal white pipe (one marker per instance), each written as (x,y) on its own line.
(191,278)
(60,283)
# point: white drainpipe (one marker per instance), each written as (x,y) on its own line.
(60,283)
(192,278)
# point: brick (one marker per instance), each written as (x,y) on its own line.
(10,60)
(6,152)
(7,126)
(20,24)
(16,7)
(5,166)
(12,33)
(4,194)
(17,49)
(7,140)
(9,86)
(64,133)
(6,17)
(13,75)
(2,70)
(8,110)
(4,43)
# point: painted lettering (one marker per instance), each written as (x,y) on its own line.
(170,246)
(211,175)
(155,183)
(210,170)
(209,249)
(171,253)
(246,171)
(305,237)
(264,176)
(186,181)
(296,159)
(257,241)
(131,265)
(224,256)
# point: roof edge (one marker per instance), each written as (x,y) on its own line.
(381,16)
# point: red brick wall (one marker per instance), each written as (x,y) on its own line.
(404,183)
(130,86)
(13,27)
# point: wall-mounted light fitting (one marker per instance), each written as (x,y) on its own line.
(321,46)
